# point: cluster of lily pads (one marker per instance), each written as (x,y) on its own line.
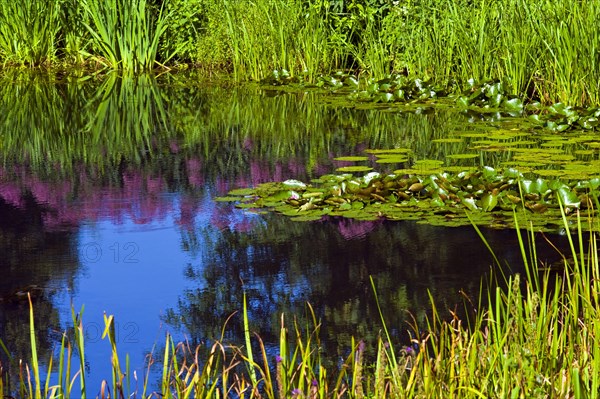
(484,96)
(485,196)
(394,88)
(490,95)
(281,77)
(560,117)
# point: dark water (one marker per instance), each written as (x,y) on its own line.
(106,203)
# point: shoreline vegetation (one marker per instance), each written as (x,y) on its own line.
(535,338)
(544,51)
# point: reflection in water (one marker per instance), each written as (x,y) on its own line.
(283,264)
(106,200)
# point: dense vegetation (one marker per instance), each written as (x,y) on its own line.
(533,339)
(546,50)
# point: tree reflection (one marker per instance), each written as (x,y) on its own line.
(284,264)
(28,261)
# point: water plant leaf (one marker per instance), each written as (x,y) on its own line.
(292,183)
(568,197)
(241,192)
(351,158)
(226,199)
(354,169)
(515,104)
(470,204)
(389,151)
(489,202)
(392,159)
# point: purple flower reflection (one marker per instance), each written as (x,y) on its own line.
(356,229)
(194,172)
(174,146)
(11,193)
(321,169)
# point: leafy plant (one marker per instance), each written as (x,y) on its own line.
(28,31)
(126,33)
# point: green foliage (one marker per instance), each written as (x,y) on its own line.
(544,50)
(28,31)
(484,196)
(126,33)
(530,46)
(75,37)
(197,33)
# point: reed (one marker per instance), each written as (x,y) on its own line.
(547,50)
(29,32)
(126,33)
(269,36)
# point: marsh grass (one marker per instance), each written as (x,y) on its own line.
(280,35)
(29,31)
(126,33)
(544,50)
(547,50)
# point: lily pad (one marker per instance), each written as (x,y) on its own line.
(353,169)
(242,192)
(351,158)
(226,199)
(389,151)
(462,156)
(392,159)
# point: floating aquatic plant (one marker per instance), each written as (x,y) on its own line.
(489,195)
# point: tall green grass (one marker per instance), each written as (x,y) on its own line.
(543,49)
(126,33)
(29,31)
(278,35)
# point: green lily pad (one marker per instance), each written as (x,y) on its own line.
(568,197)
(462,156)
(389,151)
(242,192)
(226,199)
(392,159)
(489,202)
(247,205)
(292,183)
(352,158)
(353,169)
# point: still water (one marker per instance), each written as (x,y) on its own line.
(106,206)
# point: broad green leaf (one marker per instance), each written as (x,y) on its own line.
(568,197)
(489,202)
(470,204)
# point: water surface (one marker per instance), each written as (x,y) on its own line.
(106,205)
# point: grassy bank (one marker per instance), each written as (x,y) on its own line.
(541,49)
(536,338)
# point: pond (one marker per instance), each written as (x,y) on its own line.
(107,189)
